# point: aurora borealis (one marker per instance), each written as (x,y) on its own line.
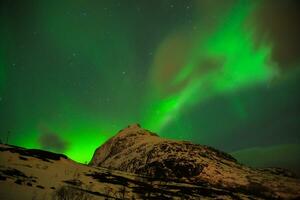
(211,72)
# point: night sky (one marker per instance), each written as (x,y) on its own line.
(220,73)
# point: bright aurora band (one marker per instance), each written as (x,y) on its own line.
(220,73)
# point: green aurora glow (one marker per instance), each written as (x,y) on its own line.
(243,66)
(192,70)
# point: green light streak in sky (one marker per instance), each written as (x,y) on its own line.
(242,65)
(83,135)
(91,73)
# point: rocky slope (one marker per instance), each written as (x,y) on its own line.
(218,174)
(137,164)
(31,174)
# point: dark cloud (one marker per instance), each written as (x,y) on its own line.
(278,22)
(52,141)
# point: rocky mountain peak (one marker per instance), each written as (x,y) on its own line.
(134,130)
(124,139)
(139,151)
(134,126)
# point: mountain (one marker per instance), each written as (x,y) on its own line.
(138,164)
(139,151)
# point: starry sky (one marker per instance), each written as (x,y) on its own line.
(224,73)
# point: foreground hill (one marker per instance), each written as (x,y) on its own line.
(137,164)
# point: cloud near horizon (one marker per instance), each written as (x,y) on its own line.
(52,141)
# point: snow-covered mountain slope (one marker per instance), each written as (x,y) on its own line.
(137,164)
(32,174)
(139,151)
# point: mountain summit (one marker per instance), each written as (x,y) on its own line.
(139,151)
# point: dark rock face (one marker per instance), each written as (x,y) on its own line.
(141,152)
(172,166)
